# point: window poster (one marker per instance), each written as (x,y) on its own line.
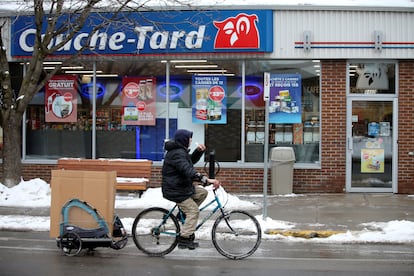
(209,99)
(61,99)
(138,101)
(285,99)
(372,156)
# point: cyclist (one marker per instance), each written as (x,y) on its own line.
(178,174)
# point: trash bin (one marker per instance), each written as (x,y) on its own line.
(282,160)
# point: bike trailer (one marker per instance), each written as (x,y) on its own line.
(73,238)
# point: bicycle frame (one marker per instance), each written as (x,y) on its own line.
(205,218)
(209,215)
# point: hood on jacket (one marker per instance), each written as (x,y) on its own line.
(182,137)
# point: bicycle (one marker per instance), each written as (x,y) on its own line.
(235,234)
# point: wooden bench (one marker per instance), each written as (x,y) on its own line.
(132,175)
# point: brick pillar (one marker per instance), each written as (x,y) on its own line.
(333,123)
(406,127)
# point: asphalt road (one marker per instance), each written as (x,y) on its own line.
(34,253)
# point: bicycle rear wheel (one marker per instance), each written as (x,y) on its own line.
(236,235)
(154,232)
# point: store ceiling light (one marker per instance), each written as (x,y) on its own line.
(82,72)
(207,71)
(189,61)
(216,74)
(103,76)
(197,66)
(185,61)
(72,67)
(52,62)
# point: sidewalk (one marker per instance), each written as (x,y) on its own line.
(310,212)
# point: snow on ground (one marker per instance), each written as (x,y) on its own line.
(36,193)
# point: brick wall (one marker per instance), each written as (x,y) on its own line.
(235,180)
(406,127)
(31,171)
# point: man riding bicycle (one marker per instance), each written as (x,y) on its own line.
(178,174)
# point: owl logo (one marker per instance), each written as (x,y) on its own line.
(238,32)
(372,76)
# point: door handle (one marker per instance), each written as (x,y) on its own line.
(350,143)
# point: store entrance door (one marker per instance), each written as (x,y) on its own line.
(371,145)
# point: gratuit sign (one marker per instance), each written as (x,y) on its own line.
(138,101)
(61,99)
(163,32)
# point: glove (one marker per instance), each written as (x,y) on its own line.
(204,180)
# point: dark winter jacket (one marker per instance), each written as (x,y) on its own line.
(178,172)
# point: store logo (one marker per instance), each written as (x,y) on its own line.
(372,76)
(237,32)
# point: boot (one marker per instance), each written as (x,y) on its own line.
(188,243)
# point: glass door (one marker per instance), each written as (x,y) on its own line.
(371,149)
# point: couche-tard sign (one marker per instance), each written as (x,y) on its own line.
(159,33)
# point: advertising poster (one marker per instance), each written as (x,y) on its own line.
(285,99)
(209,100)
(61,99)
(138,101)
(372,156)
(372,160)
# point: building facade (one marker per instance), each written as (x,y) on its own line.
(334,84)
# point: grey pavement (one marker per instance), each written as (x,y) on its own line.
(333,212)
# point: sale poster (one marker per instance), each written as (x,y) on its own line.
(209,100)
(285,99)
(61,99)
(138,101)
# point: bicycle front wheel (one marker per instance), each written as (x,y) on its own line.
(154,232)
(236,235)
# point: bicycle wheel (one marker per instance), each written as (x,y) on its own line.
(154,233)
(71,244)
(236,235)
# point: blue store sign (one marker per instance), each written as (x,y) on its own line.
(149,33)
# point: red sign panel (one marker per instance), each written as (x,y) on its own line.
(138,101)
(61,99)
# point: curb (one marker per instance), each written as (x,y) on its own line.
(307,234)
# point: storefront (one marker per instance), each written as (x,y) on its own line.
(340,89)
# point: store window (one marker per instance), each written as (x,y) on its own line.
(61,117)
(119,135)
(215,120)
(294,109)
(372,78)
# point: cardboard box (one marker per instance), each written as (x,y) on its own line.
(97,188)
